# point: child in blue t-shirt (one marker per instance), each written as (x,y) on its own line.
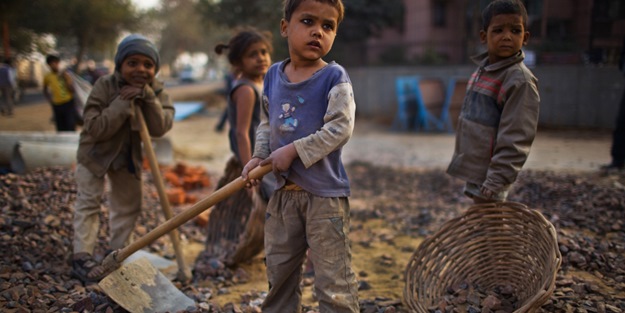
(308,113)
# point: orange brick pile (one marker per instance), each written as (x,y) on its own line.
(184,178)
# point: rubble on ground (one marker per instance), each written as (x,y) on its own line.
(587,210)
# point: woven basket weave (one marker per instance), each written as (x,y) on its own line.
(490,245)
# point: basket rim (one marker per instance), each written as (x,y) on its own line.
(478,211)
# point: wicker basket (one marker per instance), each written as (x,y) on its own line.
(490,245)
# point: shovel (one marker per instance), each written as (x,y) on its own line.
(138,286)
(184,274)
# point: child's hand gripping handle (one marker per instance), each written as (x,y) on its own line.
(114,259)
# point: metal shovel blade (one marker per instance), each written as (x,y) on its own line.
(141,288)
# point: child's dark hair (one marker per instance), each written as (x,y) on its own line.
(498,7)
(244,38)
(52,58)
(291,5)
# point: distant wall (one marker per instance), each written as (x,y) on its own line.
(571,96)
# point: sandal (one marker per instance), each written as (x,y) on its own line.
(85,268)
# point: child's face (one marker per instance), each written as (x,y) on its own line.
(504,37)
(311,30)
(138,70)
(54,66)
(255,61)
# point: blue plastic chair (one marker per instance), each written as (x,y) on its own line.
(408,98)
(408,92)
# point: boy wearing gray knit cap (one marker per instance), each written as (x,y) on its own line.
(110,145)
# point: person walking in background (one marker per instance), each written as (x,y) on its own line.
(308,115)
(8,86)
(499,116)
(249,54)
(618,136)
(110,145)
(57,88)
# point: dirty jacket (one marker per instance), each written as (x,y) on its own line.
(109,123)
(497,123)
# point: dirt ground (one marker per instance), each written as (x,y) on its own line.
(392,218)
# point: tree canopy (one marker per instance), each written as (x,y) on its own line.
(87,25)
(92,27)
(363,18)
(184,29)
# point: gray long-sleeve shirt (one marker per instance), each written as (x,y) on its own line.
(316,115)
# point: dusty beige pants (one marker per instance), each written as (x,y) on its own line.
(125,207)
(295,221)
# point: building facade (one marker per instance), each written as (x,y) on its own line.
(447,32)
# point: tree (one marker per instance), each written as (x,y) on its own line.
(262,14)
(230,14)
(16,38)
(85,25)
(93,24)
(184,29)
(363,18)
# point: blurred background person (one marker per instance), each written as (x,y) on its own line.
(618,136)
(8,86)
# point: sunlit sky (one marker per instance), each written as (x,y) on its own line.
(145,4)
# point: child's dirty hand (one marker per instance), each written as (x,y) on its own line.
(129,92)
(253,163)
(487,193)
(282,158)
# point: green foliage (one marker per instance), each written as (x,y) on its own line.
(231,14)
(363,18)
(262,14)
(10,15)
(93,24)
(184,29)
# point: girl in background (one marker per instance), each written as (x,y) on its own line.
(235,233)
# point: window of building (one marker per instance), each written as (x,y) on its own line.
(439,13)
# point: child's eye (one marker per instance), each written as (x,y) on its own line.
(307,21)
(148,65)
(328,26)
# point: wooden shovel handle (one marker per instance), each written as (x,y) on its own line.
(184,274)
(184,216)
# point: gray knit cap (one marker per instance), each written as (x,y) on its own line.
(136,44)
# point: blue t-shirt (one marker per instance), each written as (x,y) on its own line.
(297,110)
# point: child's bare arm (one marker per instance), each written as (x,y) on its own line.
(68,82)
(46,93)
